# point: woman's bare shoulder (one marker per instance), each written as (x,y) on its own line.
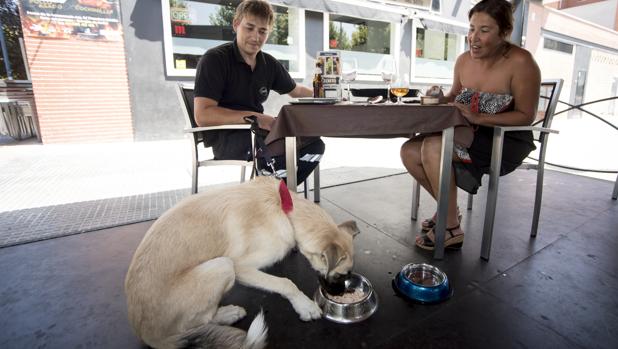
(521,57)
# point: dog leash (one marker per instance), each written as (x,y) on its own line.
(287,204)
(261,145)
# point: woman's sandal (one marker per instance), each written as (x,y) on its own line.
(454,242)
(429,223)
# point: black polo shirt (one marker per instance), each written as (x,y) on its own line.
(224,76)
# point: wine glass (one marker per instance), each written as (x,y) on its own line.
(388,74)
(400,87)
(348,73)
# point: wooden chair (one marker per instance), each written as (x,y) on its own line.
(549,94)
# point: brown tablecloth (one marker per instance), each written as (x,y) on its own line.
(370,121)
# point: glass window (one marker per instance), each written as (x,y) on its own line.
(194,26)
(428,4)
(436,53)
(556,45)
(365,40)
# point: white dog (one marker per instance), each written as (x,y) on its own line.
(194,252)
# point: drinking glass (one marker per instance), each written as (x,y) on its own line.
(348,73)
(389,72)
(400,87)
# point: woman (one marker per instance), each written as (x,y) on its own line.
(495,84)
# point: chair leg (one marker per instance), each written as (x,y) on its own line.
(316,184)
(416,195)
(615,194)
(470,201)
(243,169)
(492,193)
(305,188)
(194,178)
(538,198)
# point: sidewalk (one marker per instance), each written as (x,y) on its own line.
(35,175)
(56,190)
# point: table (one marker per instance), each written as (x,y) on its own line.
(374,121)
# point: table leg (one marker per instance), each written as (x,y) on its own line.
(492,192)
(615,193)
(290,163)
(446,163)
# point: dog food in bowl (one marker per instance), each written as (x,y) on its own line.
(358,302)
(349,296)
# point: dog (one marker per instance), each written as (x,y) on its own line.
(192,255)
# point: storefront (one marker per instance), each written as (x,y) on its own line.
(107,70)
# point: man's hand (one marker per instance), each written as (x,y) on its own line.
(265,121)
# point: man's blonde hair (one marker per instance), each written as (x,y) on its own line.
(257,8)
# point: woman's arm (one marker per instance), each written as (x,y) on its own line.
(457,86)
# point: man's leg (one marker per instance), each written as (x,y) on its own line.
(308,159)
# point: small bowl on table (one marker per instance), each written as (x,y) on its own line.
(422,283)
(358,302)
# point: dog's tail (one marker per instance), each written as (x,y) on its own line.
(214,336)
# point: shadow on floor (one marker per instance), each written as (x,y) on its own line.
(557,290)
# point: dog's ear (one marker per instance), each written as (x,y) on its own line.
(332,255)
(350,227)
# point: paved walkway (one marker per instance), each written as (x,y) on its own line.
(56,190)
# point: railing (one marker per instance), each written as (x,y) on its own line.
(579,107)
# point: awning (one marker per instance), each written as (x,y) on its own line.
(443,27)
(388,13)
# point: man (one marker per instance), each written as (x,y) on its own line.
(234,79)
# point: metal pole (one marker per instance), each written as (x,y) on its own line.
(24,57)
(5,53)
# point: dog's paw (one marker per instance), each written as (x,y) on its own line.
(229,314)
(306,308)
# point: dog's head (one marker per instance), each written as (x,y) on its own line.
(335,258)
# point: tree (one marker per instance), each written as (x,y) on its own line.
(280,33)
(359,37)
(224,16)
(338,36)
(11,26)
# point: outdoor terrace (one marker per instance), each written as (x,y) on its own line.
(556,291)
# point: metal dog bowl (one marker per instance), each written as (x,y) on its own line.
(422,283)
(341,312)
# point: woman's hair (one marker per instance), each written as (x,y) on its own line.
(257,8)
(500,10)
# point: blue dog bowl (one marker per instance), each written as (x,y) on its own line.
(422,283)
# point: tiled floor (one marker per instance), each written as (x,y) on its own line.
(555,291)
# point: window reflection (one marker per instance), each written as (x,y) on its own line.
(436,53)
(197,26)
(365,40)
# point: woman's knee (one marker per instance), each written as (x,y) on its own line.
(431,148)
(411,151)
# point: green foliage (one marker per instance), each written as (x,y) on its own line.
(279,34)
(178,3)
(359,37)
(337,34)
(11,26)
(224,16)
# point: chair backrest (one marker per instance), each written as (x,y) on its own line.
(186,95)
(549,94)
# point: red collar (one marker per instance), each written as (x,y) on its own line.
(286,199)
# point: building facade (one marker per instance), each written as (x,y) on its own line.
(113,77)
